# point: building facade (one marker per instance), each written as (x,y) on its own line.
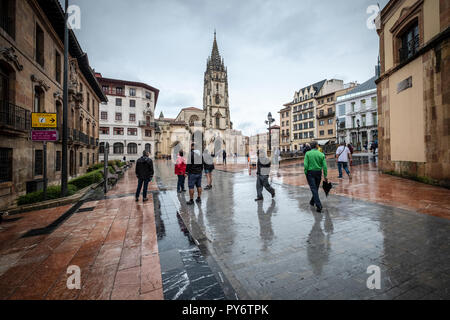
(31,80)
(414,89)
(127,120)
(285,129)
(211,123)
(357,115)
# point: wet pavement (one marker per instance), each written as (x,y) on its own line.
(284,249)
(230,247)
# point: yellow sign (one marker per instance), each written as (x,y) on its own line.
(43,120)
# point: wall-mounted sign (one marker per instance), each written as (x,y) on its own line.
(44,135)
(43,120)
(405,84)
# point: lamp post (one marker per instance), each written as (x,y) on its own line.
(269,122)
(357,123)
(64,172)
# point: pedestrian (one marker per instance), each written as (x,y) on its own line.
(315,163)
(320,149)
(224,157)
(194,171)
(343,156)
(306,148)
(350,147)
(209,167)
(144,173)
(262,176)
(180,171)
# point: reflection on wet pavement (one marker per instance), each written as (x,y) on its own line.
(284,249)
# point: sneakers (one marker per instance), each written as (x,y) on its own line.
(273,194)
(137,199)
(319,209)
(259,199)
(208,187)
(145,199)
(311,203)
(190,202)
(198,200)
(183,190)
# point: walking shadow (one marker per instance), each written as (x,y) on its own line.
(265,224)
(318,243)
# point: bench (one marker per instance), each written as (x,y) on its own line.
(118,170)
(112,178)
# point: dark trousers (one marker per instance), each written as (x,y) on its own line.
(345,165)
(142,182)
(180,184)
(314,178)
(262,182)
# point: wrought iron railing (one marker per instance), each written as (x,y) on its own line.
(14,116)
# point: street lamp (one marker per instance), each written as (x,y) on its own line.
(269,122)
(357,123)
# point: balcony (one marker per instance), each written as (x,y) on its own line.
(14,117)
(92,141)
(114,92)
(80,137)
(329,114)
(147,124)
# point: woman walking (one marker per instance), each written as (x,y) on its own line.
(180,171)
(209,168)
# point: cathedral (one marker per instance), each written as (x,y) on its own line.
(209,123)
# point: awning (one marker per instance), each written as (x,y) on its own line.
(322,142)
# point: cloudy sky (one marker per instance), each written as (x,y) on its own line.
(271,48)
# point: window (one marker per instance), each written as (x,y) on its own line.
(311,124)
(287,122)
(353,106)
(148,133)
(6,155)
(148,148)
(282,124)
(354,122)
(132,103)
(295,118)
(375,118)
(104,115)
(409,43)
(132,117)
(118,148)
(330,121)
(39,46)
(57,67)
(101,148)
(363,104)
(321,122)
(217,122)
(311,114)
(81,159)
(363,120)
(330,131)
(87,159)
(104,130)
(81,87)
(321,113)
(299,126)
(311,134)
(132,92)
(118,102)
(88,100)
(132,148)
(342,109)
(322,132)
(374,102)
(295,136)
(118,116)
(93,107)
(93,158)
(38,100)
(132,131)
(330,111)
(58,161)
(342,123)
(119,91)
(148,95)
(118,131)
(38,162)
(105,88)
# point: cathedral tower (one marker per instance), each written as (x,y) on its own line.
(215,92)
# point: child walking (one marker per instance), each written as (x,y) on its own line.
(180,171)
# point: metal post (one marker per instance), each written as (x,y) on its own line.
(45,170)
(105,167)
(64,173)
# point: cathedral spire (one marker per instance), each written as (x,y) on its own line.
(215,60)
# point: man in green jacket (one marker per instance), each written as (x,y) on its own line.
(314,163)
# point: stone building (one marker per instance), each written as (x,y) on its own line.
(302,111)
(414,89)
(357,115)
(285,129)
(261,142)
(211,122)
(127,120)
(31,60)
(326,115)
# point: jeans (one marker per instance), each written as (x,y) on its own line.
(345,165)
(143,182)
(263,181)
(180,184)
(314,178)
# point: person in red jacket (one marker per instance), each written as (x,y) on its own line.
(180,171)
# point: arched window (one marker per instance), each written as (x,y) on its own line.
(148,148)
(132,148)
(217,121)
(192,120)
(118,148)
(101,148)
